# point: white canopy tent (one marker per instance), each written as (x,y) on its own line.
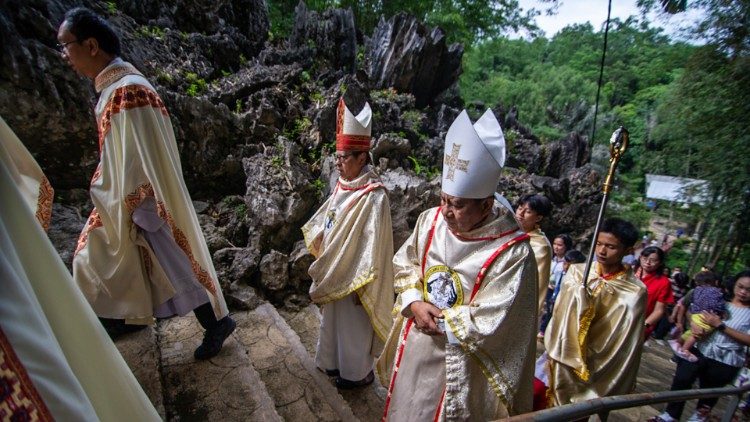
(677,189)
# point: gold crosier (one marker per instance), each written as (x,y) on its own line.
(618,143)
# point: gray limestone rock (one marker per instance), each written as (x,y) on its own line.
(406,55)
(274,271)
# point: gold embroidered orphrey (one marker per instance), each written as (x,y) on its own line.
(454,163)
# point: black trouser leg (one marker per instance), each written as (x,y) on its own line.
(205,315)
(715,374)
(684,377)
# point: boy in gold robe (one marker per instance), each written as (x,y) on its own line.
(594,341)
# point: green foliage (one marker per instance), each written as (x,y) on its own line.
(238,106)
(319,186)
(423,169)
(300,125)
(196,85)
(243,60)
(146,31)
(225,73)
(164,78)
(112,7)
(317,97)
(305,76)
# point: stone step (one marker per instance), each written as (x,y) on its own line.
(224,388)
(299,390)
(141,353)
(367,403)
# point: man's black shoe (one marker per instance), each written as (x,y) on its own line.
(345,384)
(214,338)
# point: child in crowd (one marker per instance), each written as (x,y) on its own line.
(707,297)
(571,257)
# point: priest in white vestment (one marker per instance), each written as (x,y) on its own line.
(141,253)
(56,361)
(462,346)
(351,238)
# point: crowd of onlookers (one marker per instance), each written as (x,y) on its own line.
(683,312)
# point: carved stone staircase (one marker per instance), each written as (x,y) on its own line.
(265,372)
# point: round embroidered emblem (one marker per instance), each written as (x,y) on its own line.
(330,219)
(442,287)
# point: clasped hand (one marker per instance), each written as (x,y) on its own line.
(426,316)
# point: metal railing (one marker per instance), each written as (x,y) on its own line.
(602,406)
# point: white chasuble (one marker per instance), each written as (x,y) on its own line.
(485,283)
(26,174)
(56,360)
(351,238)
(594,339)
(113,264)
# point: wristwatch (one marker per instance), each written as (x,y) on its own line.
(721,327)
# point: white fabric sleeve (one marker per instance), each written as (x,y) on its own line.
(408,297)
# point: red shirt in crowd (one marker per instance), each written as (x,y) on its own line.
(659,290)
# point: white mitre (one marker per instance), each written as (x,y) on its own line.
(353,132)
(474,156)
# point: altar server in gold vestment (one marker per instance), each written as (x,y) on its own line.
(462,346)
(351,238)
(594,341)
(56,361)
(141,253)
(530,211)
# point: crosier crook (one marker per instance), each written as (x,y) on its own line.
(618,143)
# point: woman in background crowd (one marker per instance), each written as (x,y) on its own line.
(659,288)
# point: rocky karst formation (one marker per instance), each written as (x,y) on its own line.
(254,120)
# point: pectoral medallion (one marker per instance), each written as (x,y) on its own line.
(442,287)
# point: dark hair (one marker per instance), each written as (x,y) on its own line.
(574,256)
(538,203)
(730,282)
(567,240)
(650,250)
(85,24)
(681,280)
(623,230)
(707,277)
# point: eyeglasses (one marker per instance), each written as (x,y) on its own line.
(650,260)
(63,46)
(342,157)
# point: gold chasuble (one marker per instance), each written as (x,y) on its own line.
(485,283)
(594,338)
(113,264)
(543,256)
(26,174)
(351,238)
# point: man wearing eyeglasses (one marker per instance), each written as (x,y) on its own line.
(351,238)
(141,253)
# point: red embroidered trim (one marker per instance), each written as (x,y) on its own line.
(127,98)
(396,365)
(44,203)
(488,263)
(94,221)
(429,239)
(20,399)
(146,190)
(352,142)
(440,406)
